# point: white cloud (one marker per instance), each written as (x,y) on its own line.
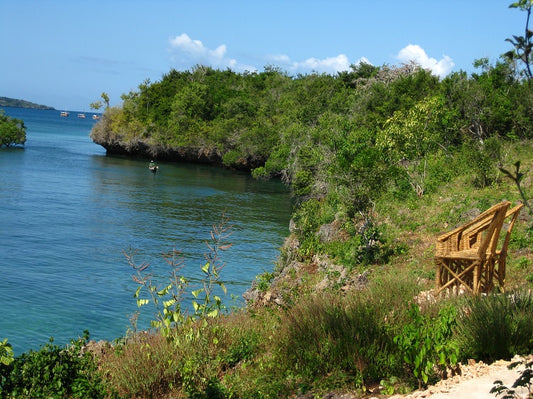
(279,58)
(330,65)
(188,52)
(414,52)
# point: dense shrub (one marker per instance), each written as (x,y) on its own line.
(12,131)
(55,371)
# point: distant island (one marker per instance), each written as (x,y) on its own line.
(13,102)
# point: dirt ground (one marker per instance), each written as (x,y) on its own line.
(475,382)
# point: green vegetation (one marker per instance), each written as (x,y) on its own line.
(523,45)
(53,371)
(507,327)
(349,139)
(99,104)
(12,131)
(426,343)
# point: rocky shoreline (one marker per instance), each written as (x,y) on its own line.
(203,155)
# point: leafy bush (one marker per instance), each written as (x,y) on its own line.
(231,158)
(6,358)
(483,159)
(426,343)
(6,353)
(12,131)
(263,281)
(55,371)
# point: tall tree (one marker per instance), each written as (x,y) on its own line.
(523,45)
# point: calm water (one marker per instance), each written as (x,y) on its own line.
(68,211)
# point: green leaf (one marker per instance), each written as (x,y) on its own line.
(223,288)
(197,292)
(142,302)
(169,303)
(205,268)
(164,291)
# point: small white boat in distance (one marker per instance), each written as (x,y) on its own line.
(82,116)
(64,114)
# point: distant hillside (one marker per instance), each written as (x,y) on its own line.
(13,102)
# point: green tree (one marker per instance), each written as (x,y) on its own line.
(523,45)
(12,131)
(360,174)
(410,136)
(105,98)
(98,104)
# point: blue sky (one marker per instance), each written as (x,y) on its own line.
(65,53)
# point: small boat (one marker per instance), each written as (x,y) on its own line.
(96,117)
(82,116)
(63,114)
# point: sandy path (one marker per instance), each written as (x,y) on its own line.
(475,382)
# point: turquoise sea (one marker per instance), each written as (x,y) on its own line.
(68,212)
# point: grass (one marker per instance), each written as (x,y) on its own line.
(496,326)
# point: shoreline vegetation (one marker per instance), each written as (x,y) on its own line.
(16,103)
(12,131)
(380,160)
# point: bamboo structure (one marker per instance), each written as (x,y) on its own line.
(473,256)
